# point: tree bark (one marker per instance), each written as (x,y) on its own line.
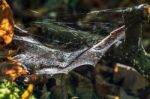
(131,51)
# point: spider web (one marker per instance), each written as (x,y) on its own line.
(87,48)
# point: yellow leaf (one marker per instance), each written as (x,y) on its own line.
(116,97)
(148,8)
(6,23)
(28,92)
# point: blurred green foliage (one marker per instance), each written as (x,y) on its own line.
(9,90)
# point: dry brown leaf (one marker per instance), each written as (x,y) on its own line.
(12,71)
(6,23)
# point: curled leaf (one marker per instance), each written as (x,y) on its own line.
(28,92)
